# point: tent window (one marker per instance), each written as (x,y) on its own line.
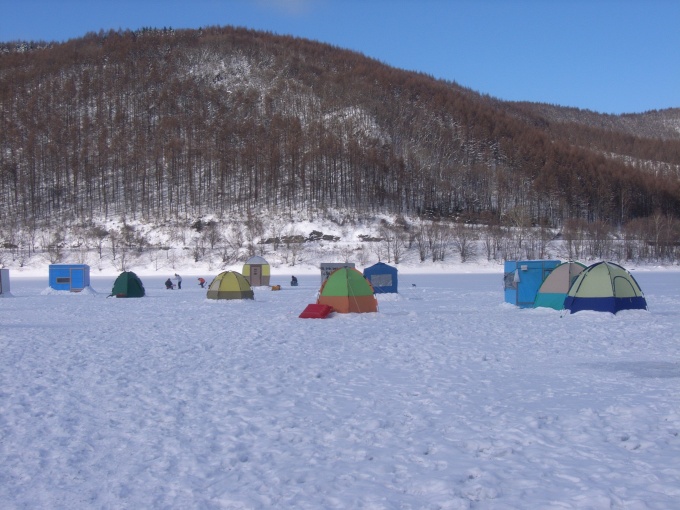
(63,279)
(381,280)
(509,281)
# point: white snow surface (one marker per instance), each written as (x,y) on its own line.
(447,398)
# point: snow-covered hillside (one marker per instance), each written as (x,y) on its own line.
(298,244)
(446,398)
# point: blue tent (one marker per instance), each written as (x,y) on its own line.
(382,277)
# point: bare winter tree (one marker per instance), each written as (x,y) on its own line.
(573,233)
(464,239)
(121,261)
(158,258)
(99,234)
(53,248)
(115,243)
(381,248)
(276,229)
(254,231)
(394,238)
(544,237)
(421,241)
(347,253)
(493,241)
(211,234)
(439,237)
(231,245)
(520,218)
(198,248)
(599,240)
(292,246)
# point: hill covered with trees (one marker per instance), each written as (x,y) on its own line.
(165,126)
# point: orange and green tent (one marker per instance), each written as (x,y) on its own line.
(347,291)
(230,285)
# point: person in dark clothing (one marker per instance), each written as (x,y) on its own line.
(168,284)
(293,281)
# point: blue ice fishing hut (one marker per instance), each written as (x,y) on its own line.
(383,278)
(72,277)
(522,279)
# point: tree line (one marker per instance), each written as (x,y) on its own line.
(173,125)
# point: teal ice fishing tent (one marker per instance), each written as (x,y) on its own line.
(382,277)
(605,287)
(553,291)
(522,279)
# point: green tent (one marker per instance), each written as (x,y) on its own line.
(230,285)
(553,290)
(128,284)
(347,291)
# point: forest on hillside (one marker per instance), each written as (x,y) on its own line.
(174,126)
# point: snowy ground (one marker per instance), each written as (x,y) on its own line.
(446,398)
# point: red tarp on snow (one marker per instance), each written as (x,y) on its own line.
(316,312)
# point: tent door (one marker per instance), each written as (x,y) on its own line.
(255,276)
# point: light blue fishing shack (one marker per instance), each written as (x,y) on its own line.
(523,278)
(71,277)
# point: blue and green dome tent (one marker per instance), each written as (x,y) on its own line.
(605,287)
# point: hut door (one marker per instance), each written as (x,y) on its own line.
(255,276)
(77,280)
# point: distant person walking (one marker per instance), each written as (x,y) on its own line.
(179,281)
(201,282)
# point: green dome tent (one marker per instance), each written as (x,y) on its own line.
(230,285)
(605,287)
(127,285)
(347,291)
(554,289)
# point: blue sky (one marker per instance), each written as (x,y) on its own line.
(610,56)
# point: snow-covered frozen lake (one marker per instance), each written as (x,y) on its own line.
(446,398)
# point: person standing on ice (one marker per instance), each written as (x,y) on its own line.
(201,282)
(179,281)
